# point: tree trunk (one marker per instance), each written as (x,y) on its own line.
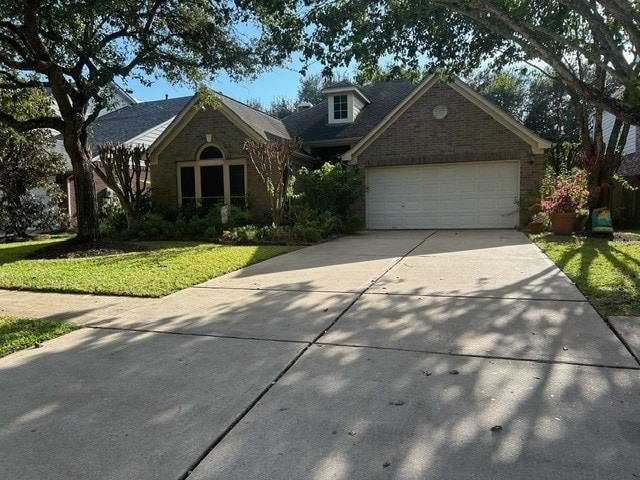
(85,188)
(130,212)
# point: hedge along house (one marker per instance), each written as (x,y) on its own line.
(435,155)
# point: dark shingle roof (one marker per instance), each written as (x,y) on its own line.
(129,122)
(312,125)
(341,84)
(268,127)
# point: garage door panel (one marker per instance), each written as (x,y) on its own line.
(464,195)
(467,204)
(468,187)
(487,221)
(490,186)
(487,204)
(507,204)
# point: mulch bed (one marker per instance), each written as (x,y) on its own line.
(98,248)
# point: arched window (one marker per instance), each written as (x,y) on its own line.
(212,179)
(210,153)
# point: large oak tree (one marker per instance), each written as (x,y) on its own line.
(589,45)
(75,48)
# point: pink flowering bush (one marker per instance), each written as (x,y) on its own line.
(567,192)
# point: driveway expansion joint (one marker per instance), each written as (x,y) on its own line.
(486,357)
(486,297)
(295,359)
(271,289)
(191,334)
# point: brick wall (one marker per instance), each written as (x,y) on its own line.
(184,148)
(466,134)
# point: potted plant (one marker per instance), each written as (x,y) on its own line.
(537,223)
(563,196)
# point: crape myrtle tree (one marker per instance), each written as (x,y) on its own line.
(272,160)
(76,48)
(125,170)
(588,45)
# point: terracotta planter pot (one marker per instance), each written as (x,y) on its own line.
(536,227)
(563,223)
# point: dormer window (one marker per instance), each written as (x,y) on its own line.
(345,101)
(340,107)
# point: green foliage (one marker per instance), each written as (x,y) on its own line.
(537,100)
(27,165)
(187,222)
(113,220)
(311,225)
(282,107)
(19,333)
(310,89)
(376,73)
(331,188)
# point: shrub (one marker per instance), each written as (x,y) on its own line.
(313,225)
(331,188)
(566,192)
(153,226)
(173,223)
(352,224)
(112,219)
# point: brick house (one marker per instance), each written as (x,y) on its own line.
(133,124)
(435,155)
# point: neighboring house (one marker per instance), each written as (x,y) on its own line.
(136,124)
(625,203)
(435,155)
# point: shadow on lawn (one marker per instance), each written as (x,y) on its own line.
(607,274)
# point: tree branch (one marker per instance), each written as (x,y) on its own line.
(32,123)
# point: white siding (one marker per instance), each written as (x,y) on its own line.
(607,125)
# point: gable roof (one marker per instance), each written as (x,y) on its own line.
(268,127)
(538,144)
(254,123)
(311,124)
(129,124)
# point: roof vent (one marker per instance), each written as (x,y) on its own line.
(304,106)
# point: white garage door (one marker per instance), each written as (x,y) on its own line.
(460,195)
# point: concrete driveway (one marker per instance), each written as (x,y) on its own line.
(383,355)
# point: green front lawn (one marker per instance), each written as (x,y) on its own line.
(607,273)
(164,268)
(19,333)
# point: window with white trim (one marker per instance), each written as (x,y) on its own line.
(212,179)
(340,107)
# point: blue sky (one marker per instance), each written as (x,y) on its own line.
(278,82)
